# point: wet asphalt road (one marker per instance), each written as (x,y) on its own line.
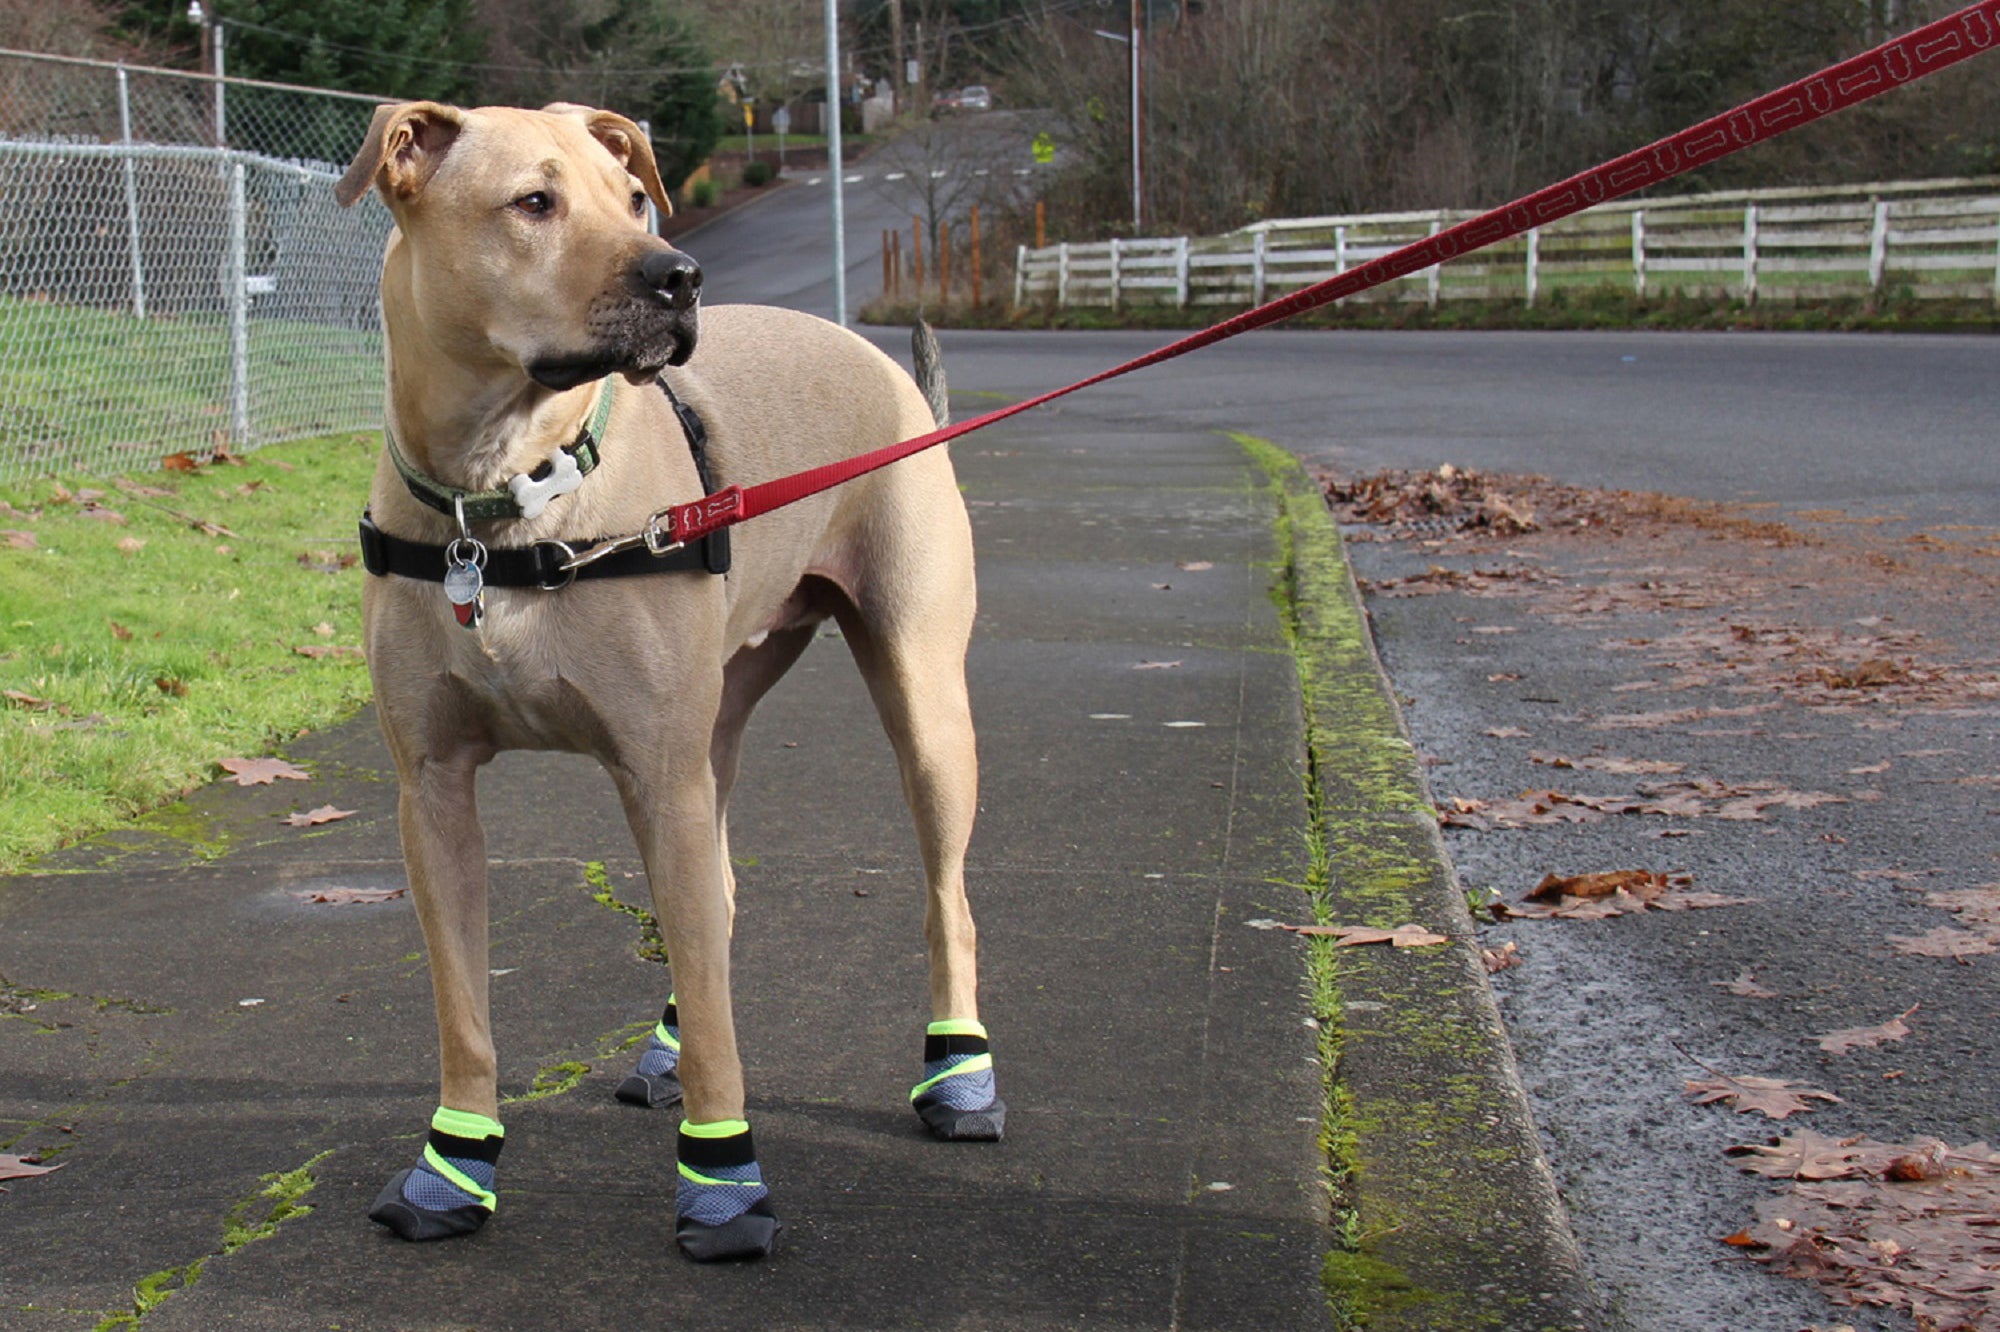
(1863,443)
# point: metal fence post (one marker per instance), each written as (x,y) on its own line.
(1639,253)
(1257,247)
(1750,254)
(1534,261)
(1062,275)
(1020,274)
(1181,273)
(1115,274)
(131,195)
(239,313)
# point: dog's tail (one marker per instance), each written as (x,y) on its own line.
(930,371)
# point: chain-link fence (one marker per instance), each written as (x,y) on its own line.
(174,272)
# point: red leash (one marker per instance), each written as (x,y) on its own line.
(1928,49)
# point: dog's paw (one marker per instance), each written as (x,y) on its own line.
(751,1234)
(649,1090)
(396,1208)
(653,1082)
(948,1124)
(958,1099)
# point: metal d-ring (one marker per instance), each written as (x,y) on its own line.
(476,559)
(567,566)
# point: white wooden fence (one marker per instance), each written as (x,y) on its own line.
(1936,239)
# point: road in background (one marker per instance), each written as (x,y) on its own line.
(1876,448)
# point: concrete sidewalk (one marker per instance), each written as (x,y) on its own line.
(227,1072)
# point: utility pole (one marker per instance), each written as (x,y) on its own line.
(896,73)
(835,85)
(1138,140)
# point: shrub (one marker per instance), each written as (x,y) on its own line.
(756,174)
(703,193)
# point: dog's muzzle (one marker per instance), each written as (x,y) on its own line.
(647,325)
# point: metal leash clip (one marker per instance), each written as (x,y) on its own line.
(657,538)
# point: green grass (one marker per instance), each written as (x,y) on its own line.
(102,389)
(137,653)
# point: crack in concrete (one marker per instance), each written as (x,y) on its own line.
(243,1224)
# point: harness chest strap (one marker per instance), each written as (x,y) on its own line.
(547,564)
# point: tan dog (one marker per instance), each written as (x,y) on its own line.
(521,283)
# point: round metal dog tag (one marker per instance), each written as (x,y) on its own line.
(463,583)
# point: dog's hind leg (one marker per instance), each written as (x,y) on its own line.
(654,1080)
(914,663)
(450,1191)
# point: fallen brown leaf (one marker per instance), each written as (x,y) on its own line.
(23,1167)
(1351,936)
(351,896)
(29,701)
(1943,942)
(1870,674)
(16,540)
(262,771)
(1864,1038)
(312,818)
(1773,1097)
(1640,883)
(1504,958)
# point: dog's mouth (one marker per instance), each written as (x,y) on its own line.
(636,347)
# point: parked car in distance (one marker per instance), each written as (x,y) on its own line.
(976,97)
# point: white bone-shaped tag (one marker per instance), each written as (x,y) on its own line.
(534,496)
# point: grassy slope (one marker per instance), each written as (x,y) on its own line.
(137,649)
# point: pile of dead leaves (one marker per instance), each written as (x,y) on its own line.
(1456,501)
(1907,1226)
(1609,893)
(1687,798)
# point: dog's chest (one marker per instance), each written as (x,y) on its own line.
(533,686)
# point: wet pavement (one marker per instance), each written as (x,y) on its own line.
(225,1069)
(1719,659)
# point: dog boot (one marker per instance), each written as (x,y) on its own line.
(957,1099)
(723,1209)
(450,1191)
(655,1082)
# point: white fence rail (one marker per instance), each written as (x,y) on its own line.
(1930,240)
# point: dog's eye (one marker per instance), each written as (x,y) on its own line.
(536,203)
(638,203)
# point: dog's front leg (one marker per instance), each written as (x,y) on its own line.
(722,1208)
(450,1191)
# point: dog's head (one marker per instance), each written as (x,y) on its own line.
(524,241)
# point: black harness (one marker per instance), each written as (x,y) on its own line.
(540,564)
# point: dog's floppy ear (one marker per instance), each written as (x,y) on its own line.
(626,142)
(402,150)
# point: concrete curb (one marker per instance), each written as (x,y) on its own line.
(1446,1213)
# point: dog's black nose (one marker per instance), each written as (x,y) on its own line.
(676,276)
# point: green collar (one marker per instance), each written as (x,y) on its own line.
(524,496)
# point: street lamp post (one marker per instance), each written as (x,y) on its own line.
(1132,39)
